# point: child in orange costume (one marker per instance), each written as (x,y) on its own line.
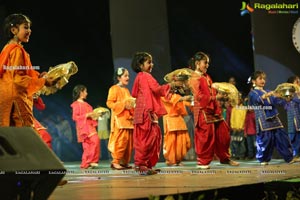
(86,123)
(121,104)
(176,136)
(18,79)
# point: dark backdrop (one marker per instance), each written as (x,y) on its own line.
(61,32)
(65,31)
(80,31)
(216,28)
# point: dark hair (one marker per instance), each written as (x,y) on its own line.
(76,91)
(197,57)
(118,73)
(14,20)
(291,79)
(138,59)
(256,74)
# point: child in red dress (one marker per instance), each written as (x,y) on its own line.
(86,122)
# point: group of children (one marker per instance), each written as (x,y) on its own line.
(135,120)
(256,127)
(135,115)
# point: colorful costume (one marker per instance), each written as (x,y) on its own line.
(176,136)
(18,81)
(270,132)
(121,137)
(293,119)
(149,108)
(250,133)
(86,133)
(236,117)
(211,131)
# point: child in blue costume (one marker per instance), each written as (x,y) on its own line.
(270,131)
(293,118)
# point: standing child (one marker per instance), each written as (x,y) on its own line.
(121,103)
(293,118)
(103,129)
(211,131)
(86,122)
(237,116)
(176,136)
(149,108)
(250,130)
(18,79)
(270,131)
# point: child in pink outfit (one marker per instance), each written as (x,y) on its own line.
(86,122)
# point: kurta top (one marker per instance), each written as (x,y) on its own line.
(173,120)
(117,99)
(205,98)
(293,115)
(148,95)
(84,126)
(250,125)
(237,118)
(18,81)
(265,111)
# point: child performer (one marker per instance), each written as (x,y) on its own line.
(237,116)
(149,108)
(176,136)
(86,122)
(121,103)
(211,131)
(293,119)
(270,131)
(250,128)
(18,80)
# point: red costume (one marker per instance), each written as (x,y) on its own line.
(211,131)
(86,133)
(147,133)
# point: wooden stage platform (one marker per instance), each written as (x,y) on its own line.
(187,181)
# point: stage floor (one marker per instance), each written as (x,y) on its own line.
(104,183)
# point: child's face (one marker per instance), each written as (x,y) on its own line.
(124,79)
(83,94)
(23,32)
(202,65)
(147,65)
(260,81)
